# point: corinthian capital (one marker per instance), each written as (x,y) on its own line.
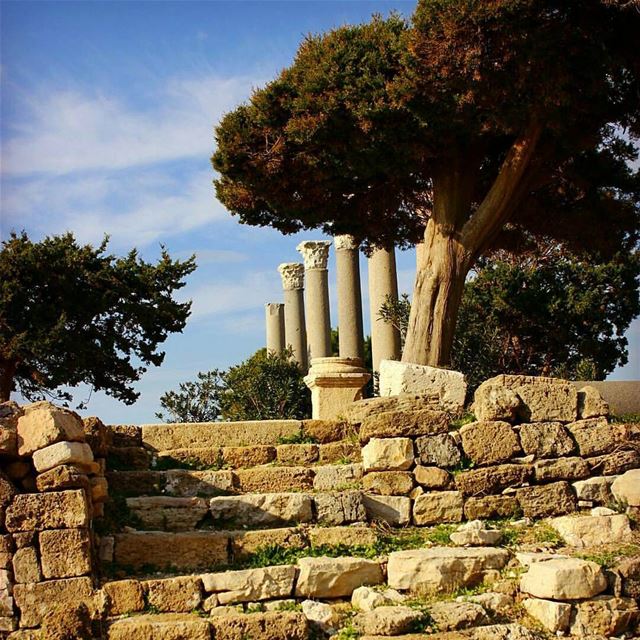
(292,274)
(315,253)
(345,242)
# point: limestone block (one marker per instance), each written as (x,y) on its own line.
(591,531)
(545,439)
(367,599)
(244,543)
(387,454)
(326,431)
(335,577)
(262,508)
(124,596)
(388,483)
(167,626)
(186,483)
(546,500)
(339,508)
(563,579)
(7,490)
(97,435)
(192,550)
(388,620)
(165,513)
(99,489)
(605,615)
(35,599)
(241,457)
(160,437)
(628,572)
(495,402)
(437,507)
(489,442)
(359,411)
(560,469)
(614,463)
(271,625)
(251,584)
(553,616)
(626,488)
(497,603)
(394,510)
(349,536)
(402,377)
(452,616)
(174,595)
(55,510)
(439,450)
(125,435)
(273,479)
(129,458)
(135,483)
(474,534)
(44,424)
(337,477)
(66,476)
(62,453)
(26,567)
(596,489)
(297,454)
(491,507)
(339,451)
(595,436)
(321,614)
(404,424)
(442,569)
(491,480)
(432,477)
(65,553)
(591,404)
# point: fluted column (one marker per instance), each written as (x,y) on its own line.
(383,282)
(351,334)
(315,256)
(292,275)
(274,316)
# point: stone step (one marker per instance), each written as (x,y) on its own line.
(149,551)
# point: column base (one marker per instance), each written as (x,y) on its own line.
(335,383)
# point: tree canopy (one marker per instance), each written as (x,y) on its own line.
(72,314)
(468,129)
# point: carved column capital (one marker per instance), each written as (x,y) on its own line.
(315,253)
(292,274)
(345,242)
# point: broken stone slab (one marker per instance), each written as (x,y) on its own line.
(54,510)
(251,584)
(185,483)
(545,439)
(339,508)
(367,599)
(615,463)
(388,620)
(44,424)
(324,577)
(262,509)
(488,443)
(492,480)
(360,410)
(63,477)
(553,616)
(394,510)
(552,470)
(442,569)
(439,450)
(165,513)
(351,536)
(605,615)
(591,531)
(387,454)
(388,483)
(491,507)
(297,454)
(626,488)
(402,377)
(595,436)
(335,477)
(495,402)
(591,404)
(563,579)
(437,507)
(596,489)
(78,453)
(404,424)
(453,616)
(474,534)
(270,625)
(547,500)
(320,614)
(164,626)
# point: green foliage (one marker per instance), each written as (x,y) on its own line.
(297,438)
(72,314)
(609,559)
(396,313)
(266,386)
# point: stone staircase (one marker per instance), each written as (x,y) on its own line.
(395,520)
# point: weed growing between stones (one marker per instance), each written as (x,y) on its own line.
(297,438)
(609,559)
(467,418)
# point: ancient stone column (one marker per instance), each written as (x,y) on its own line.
(295,334)
(274,312)
(385,339)
(315,256)
(351,335)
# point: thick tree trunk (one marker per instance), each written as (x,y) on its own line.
(7,373)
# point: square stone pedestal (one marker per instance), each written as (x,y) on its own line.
(335,383)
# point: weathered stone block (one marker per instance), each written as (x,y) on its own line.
(553,616)
(185,483)
(271,625)
(10,412)
(546,500)
(339,451)
(55,510)
(560,469)
(326,431)
(335,577)
(479,482)
(591,404)
(439,450)
(495,402)
(7,490)
(437,507)
(96,435)
(489,442)
(297,454)
(262,509)
(432,477)
(124,596)
(614,463)
(65,553)
(173,595)
(626,488)
(387,454)
(451,616)
(394,510)
(244,543)
(388,483)
(592,531)
(605,616)
(78,453)
(66,476)
(251,584)
(404,424)
(564,579)
(545,439)
(491,507)
(164,513)
(125,435)
(595,436)
(359,411)
(596,489)
(129,458)
(337,477)
(243,457)
(168,626)
(44,424)
(475,534)
(339,508)
(135,483)
(273,479)
(388,620)
(352,536)
(26,567)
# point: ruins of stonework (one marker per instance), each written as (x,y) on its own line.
(397,518)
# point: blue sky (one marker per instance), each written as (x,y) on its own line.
(108,111)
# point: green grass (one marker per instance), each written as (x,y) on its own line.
(609,559)
(297,438)
(466,418)
(626,418)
